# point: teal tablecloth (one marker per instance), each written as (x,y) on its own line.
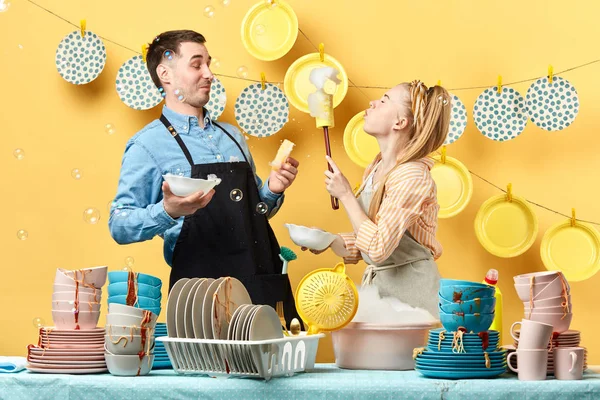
(325,382)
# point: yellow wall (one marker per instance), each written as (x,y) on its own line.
(463,43)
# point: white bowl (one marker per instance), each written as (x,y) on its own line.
(311,238)
(70,296)
(127,344)
(547,310)
(65,320)
(71,288)
(128,320)
(379,347)
(70,305)
(128,310)
(541,291)
(125,330)
(125,365)
(95,276)
(549,302)
(184,186)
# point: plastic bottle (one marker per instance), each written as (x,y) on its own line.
(491,278)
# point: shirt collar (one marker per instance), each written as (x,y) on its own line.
(183,123)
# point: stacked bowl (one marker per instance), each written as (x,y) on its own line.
(129,340)
(468,305)
(135,289)
(546,298)
(161,358)
(76,298)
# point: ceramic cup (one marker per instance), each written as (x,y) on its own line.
(534,335)
(568,363)
(532,364)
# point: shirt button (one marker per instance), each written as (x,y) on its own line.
(210,136)
(218,156)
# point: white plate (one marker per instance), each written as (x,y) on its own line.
(172,307)
(189,309)
(207,308)
(181,306)
(314,239)
(238,330)
(265,325)
(68,371)
(246,336)
(197,307)
(230,294)
(237,360)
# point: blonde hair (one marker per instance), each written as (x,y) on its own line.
(429,112)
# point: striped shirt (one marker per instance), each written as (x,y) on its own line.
(409,203)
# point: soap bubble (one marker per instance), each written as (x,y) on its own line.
(38,322)
(271,3)
(225,3)
(91,216)
(110,129)
(179,94)
(262,208)
(22,234)
(19,154)
(215,62)
(242,72)
(76,173)
(129,261)
(209,11)
(260,29)
(236,195)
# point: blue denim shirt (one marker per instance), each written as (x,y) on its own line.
(137,212)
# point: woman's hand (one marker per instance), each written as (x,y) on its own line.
(336,183)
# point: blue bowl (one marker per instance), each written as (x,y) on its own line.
(142,302)
(455,282)
(123,276)
(482,306)
(471,322)
(120,289)
(456,293)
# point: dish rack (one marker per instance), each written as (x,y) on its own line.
(264,359)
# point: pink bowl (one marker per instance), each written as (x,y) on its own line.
(70,296)
(95,276)
(379,347)
(65,320)
(549,302)
(547,310)
(70,305)
(538,277)
(541,291)
(559,323)
(71,288)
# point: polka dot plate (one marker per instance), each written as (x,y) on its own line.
(552,106)
(458,120)
(79,60)
(218,100)
(500,117)
(262,113)
(135,87)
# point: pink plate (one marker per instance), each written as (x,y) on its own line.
(64,366)
(68,371)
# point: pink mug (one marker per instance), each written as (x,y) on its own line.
(532,365)
(568,363)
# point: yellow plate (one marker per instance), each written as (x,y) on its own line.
(297,86)
(361,147)
(574,250)
(269,31)
(454,186)
(506,229)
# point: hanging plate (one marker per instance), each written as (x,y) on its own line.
(454,186)
(135,86)
(573,250)
(261,113)
(506,228)
(361,147)
(458,120)
(79,60)
(552,106)
(297,86)
(269,30)
(500,117)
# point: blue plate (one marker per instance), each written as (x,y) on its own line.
(460,365)
(121,288)
(469,350)
(123,276)
(443,355)
(445,374)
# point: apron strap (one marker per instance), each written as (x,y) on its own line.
(234,141)
(371,270)
(174,133)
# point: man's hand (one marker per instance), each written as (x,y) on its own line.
(282,179)
(177,206)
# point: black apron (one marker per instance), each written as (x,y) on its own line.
(231,238)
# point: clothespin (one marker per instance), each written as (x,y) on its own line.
(509,192)
(573,219)
(144,52)
(263,80)
(322,52)
(550,74)
(499,84)
(82,25)
(439,82)
(443,154)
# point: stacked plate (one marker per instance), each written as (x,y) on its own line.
(202,308)
(457,355)
(570,338)
(161,359)
(68,352)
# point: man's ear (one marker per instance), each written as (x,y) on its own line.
(164,73)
